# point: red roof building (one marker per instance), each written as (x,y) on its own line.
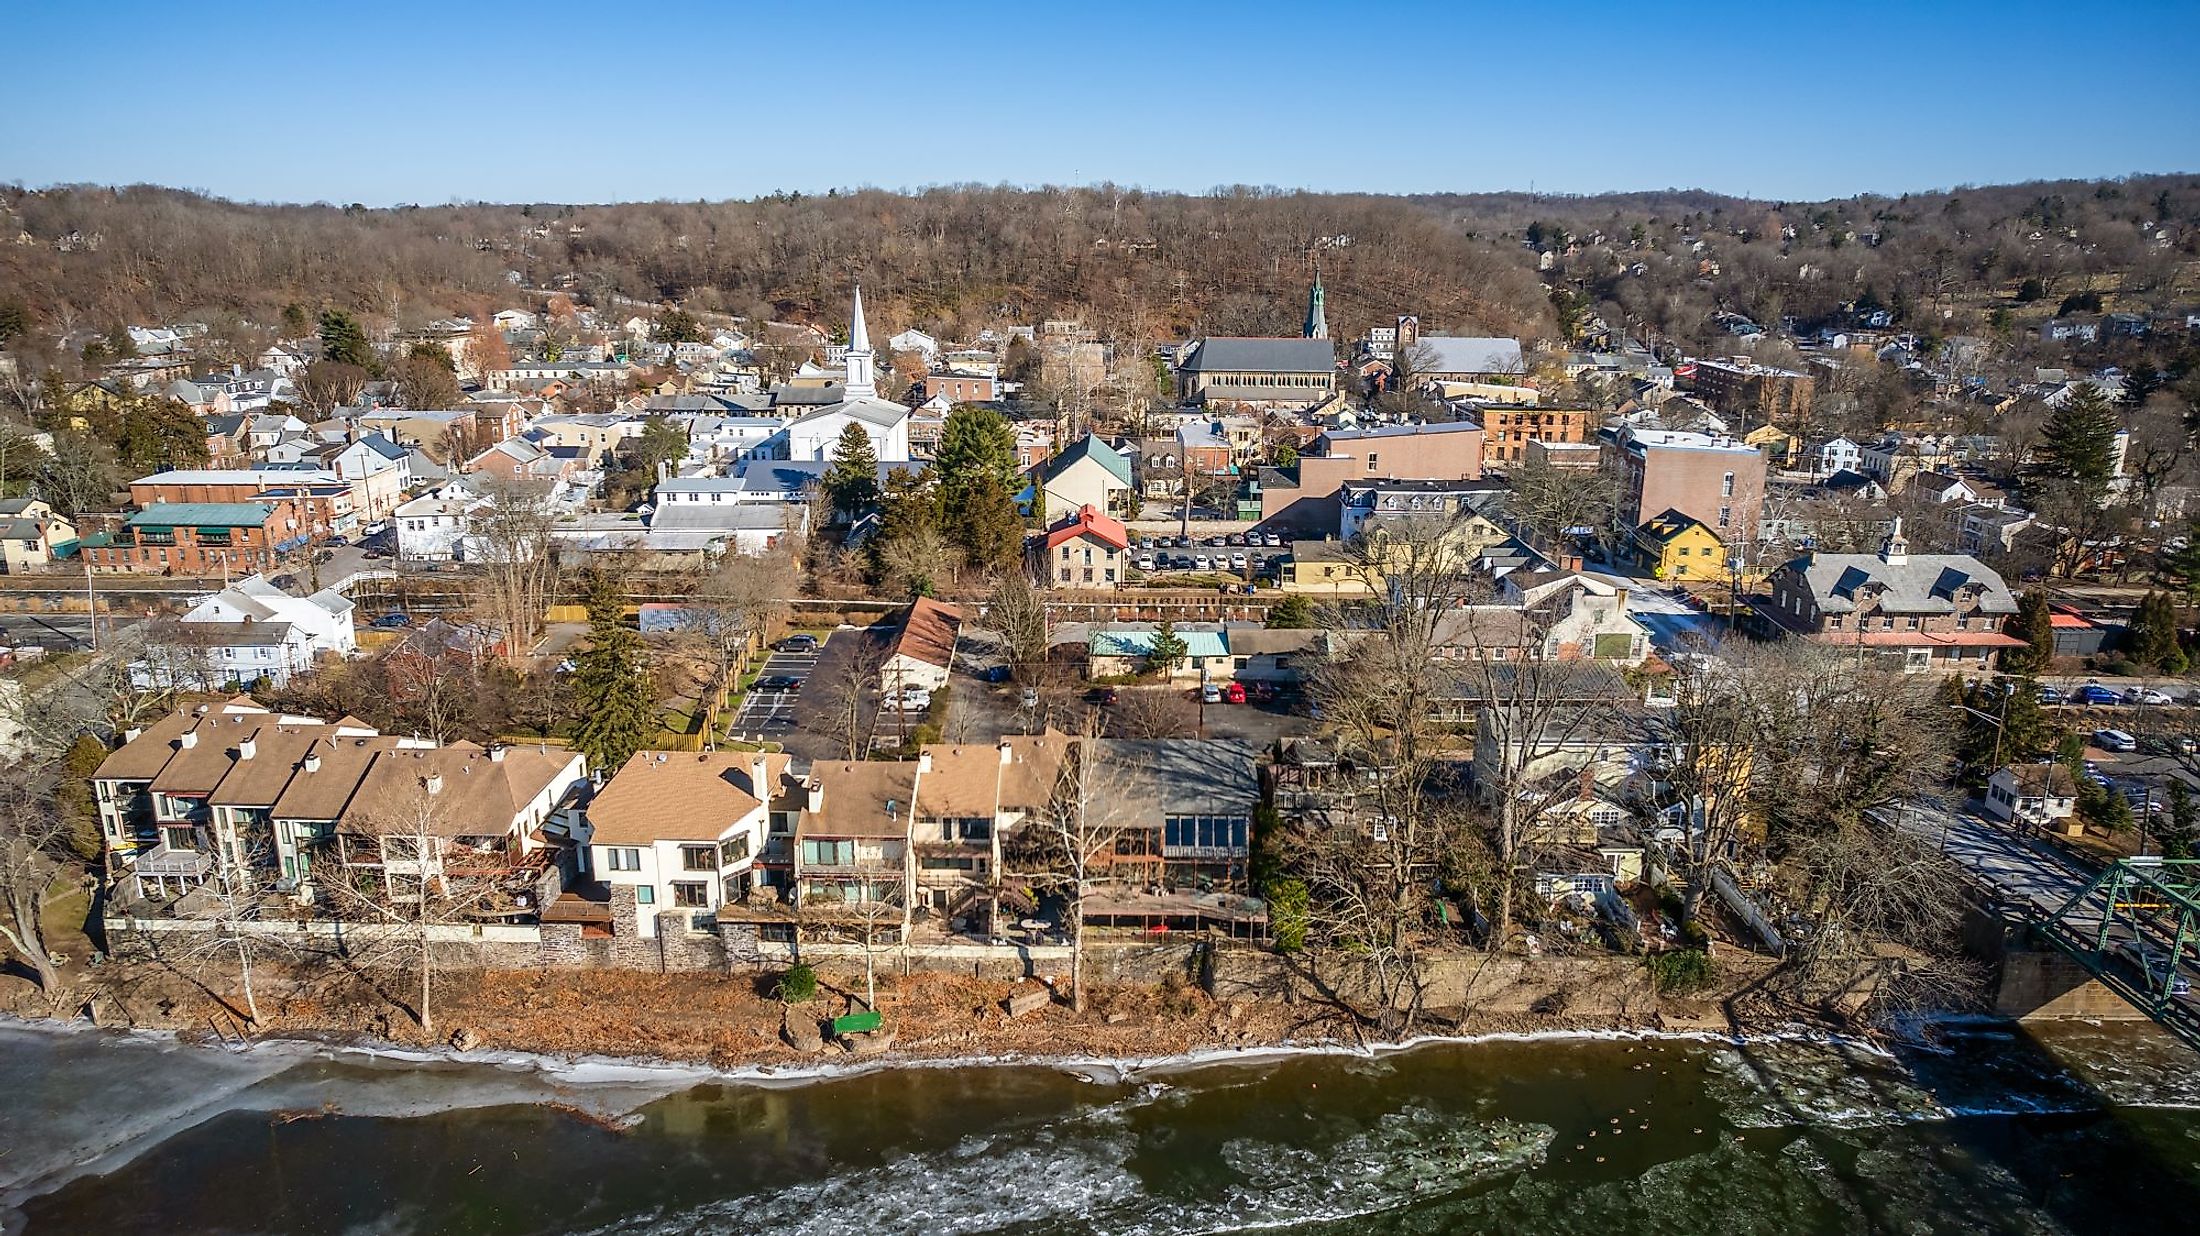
(1087,550)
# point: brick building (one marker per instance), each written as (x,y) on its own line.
(190,538)
(961,387)
(1929,611)
(1506,432)
(1715,479)
(1761,394)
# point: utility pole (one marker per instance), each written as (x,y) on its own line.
(91,598)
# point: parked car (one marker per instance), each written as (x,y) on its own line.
(911,699)
(797,643)
(1101,695)
(1237,562)
(2049,695)
(1234,693)
(993,673)
(1203,563)
(391,622)
(2114,740)
(1211,693)
(1029,699)
(2094,694)
(1144,562)
(778,682)
(2147,695)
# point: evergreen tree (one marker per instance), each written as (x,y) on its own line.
(852,481)
(976,442)
(2034,624)
(676,326)
(982,522)
(2078,442)
(611,683)
(343,340)
(2183,562)
(2152,634)
(1168,650)
(2183,829)
(1293,613)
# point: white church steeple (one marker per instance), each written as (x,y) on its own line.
(862,374)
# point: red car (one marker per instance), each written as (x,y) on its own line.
(1234,693)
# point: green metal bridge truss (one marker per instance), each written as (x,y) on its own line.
(2136,928)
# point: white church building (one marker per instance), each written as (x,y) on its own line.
(814,435)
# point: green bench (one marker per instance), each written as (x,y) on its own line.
(856,1023)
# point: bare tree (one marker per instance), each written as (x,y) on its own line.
(513,532)
(1018,612)
(1071,844)
(34,849)
(411,889)
(851,692)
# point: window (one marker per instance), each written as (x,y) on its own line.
(1204,832)
(732,850)
(690,894)
(698,858)
(620,858)
(1726,514)
(829,853)
(645,894)
(1726,486)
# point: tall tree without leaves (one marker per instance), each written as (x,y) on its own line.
(611,683)
(852,481)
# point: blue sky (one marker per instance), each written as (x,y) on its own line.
(550,101)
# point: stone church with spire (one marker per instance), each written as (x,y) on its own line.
(813,436)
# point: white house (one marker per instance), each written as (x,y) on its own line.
(2038,794)
(1839,455)
(682,833)
(430,529)
(914,340)
(248,631)
(923,650)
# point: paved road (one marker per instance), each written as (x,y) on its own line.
(1674,625)
(2018,869)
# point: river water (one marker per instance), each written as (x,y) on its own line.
(2082,1129)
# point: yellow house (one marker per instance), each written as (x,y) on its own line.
(1778,446)
(1356,567)
(1679,549)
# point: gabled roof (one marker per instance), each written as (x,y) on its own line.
(1919,584)
(1087,447)
(678,796)
(202,515)
(1227,354)
(1088,521)
(1473,354)
(929,633)
(861,798)
(1671,524)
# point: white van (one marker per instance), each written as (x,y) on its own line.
(2114,740)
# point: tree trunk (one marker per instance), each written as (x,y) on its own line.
(1077,952)
(244,974)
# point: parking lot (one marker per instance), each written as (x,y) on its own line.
(769,710)
(1229,555)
